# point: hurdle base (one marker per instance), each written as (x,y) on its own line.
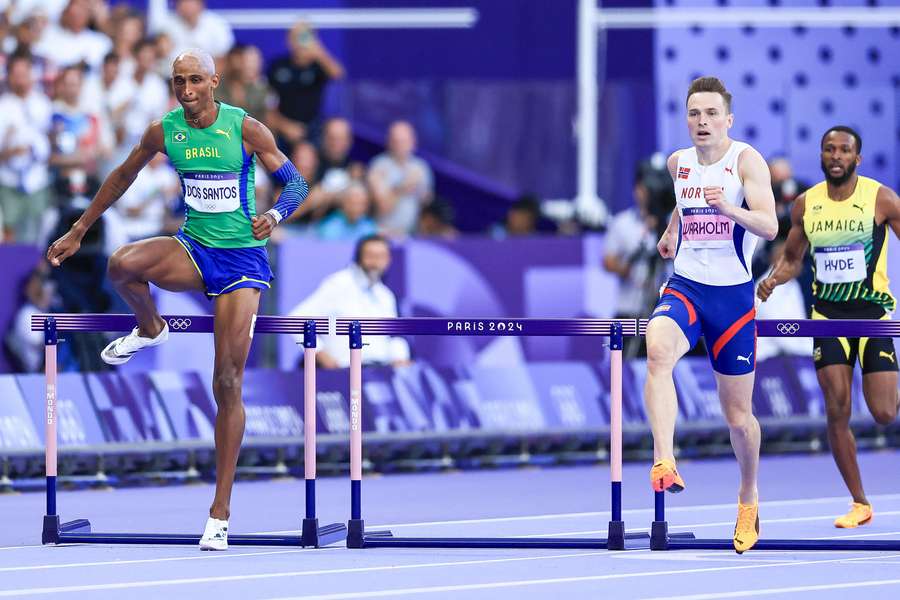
(53,530)
(358,537)
(313,536)
(615,538)
(659,535)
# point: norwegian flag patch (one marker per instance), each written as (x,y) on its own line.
(684,172)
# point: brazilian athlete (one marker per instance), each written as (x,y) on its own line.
(220,250)
(844,221)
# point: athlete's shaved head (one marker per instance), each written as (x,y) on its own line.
(203,58)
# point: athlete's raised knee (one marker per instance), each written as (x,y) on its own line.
(123,265)
(884,415)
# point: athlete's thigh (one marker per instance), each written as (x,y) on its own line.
(235,316)
(879,365)
(674,326)
(729,328)
(162,261)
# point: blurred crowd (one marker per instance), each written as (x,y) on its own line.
(80,80)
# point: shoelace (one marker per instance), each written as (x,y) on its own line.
(746,517)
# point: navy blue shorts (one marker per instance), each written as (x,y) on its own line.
(224,270)
(725,315)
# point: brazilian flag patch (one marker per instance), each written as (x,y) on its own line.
(179,137)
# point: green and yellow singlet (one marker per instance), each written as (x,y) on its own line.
(849,250)
(217,177)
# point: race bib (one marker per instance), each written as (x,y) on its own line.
(840,264)
(211,192)
(706,227)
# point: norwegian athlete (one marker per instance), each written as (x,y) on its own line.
(220,250)
(724,204)
(844,221)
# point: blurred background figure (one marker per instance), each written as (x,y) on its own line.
(521,218)
(72,42)
(193,25)
(243,85)
(436,220)
(631,255)
(25,114)
(300,78)
(23,346)
(357,291)
(351,220)
(80,138)
(401,182)
(143,209)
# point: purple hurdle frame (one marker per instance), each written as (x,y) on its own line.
(79,530)
(661,539)
(358,537)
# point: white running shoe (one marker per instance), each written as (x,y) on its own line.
(215,536)
(120,350)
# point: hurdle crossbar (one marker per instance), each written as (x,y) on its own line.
(358,537)
(661,539)
(79,530)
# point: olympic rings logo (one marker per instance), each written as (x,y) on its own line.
(181,324)
(788,328)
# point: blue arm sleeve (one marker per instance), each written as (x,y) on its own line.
(294,192)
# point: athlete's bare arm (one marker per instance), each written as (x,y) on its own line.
(760,217)
(668,243)
(259,139)
(887,209)
(112,189)
(791,261)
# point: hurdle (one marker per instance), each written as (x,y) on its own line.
(617,538)
(661,539)
(79,530)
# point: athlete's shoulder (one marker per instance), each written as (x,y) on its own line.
(236,111)
(676,156)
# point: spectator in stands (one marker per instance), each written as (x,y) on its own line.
(195,26)
(129,30)
(357,291)
(401,182)
(24,150)
(144,206)
(78,137)
(244,86)
(351,220)
(71,42)
(786,189)
(149,100)
(436,220)
(300,78)
(630,254)
(110,95)
(26,35)
(337,140)
(26,347)
(522,217)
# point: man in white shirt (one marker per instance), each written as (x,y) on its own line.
(401,182)
(24,151)
(71,42)
(357,291)
(193,26)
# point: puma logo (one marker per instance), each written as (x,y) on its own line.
(859,207)
(729,171)
(745,358)
(889,356)
(225,133)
